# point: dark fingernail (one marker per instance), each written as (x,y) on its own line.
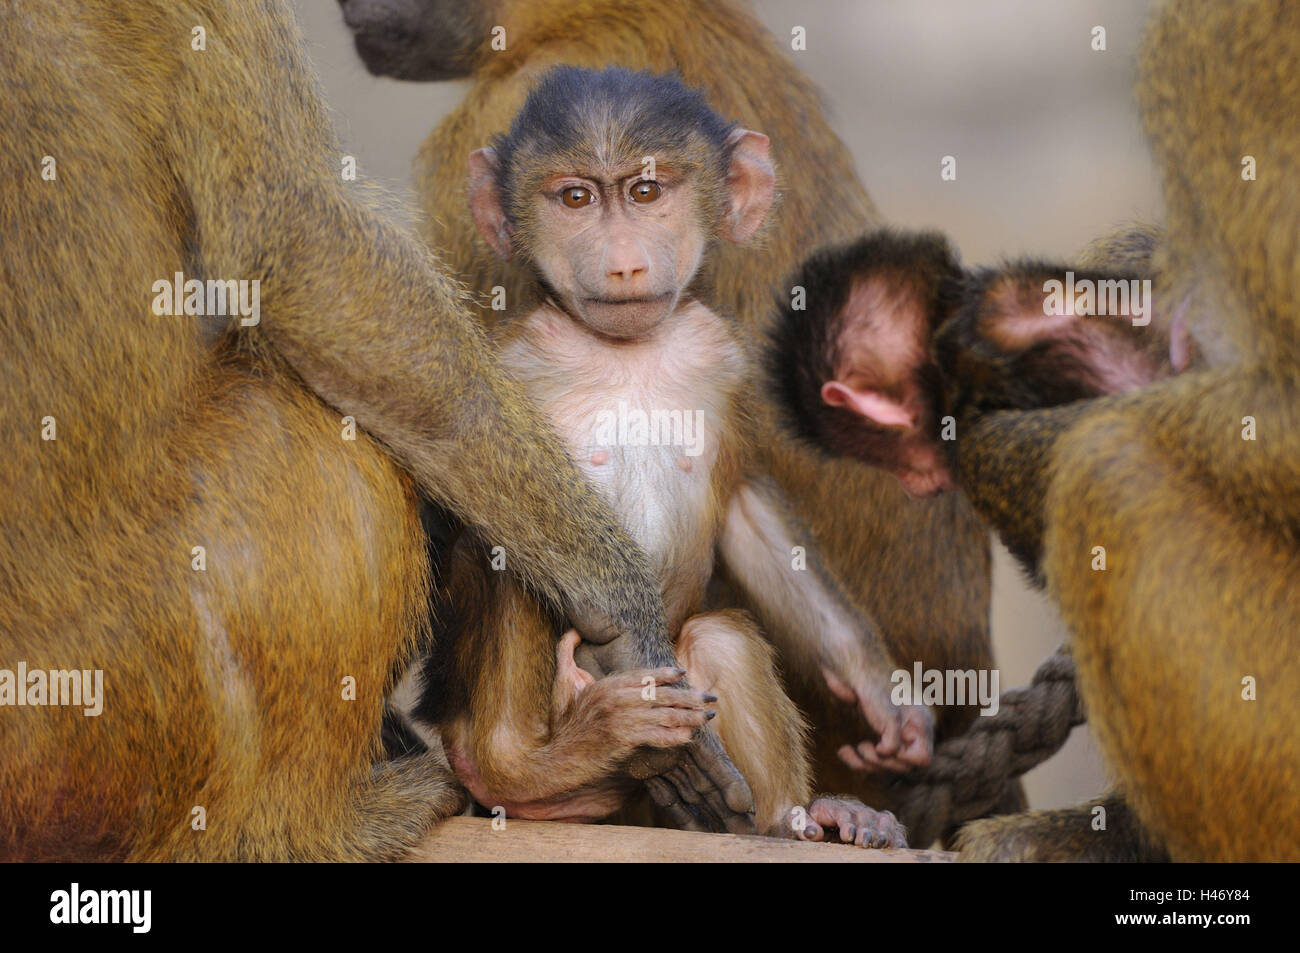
(710,715)
(850,834)
(710,698)
(680,671)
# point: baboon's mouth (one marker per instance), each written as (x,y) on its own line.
(615,302)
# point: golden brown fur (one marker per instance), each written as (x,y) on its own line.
(1201,527)
(224,687)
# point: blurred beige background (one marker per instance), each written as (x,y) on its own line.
(1049,155)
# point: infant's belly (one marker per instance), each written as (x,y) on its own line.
(660,495)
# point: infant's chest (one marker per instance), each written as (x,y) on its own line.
(645,425)
(653,456)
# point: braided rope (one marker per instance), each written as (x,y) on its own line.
(970,774)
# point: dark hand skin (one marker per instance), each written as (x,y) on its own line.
(695,802)
(700,774)
(686,770)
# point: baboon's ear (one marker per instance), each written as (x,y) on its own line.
(485,202)
(1019,340)
(854,366)
(751,181)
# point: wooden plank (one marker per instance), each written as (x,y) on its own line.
(472,839)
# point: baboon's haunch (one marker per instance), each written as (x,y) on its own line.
(613,187)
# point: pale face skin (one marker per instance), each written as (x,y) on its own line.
(620,250)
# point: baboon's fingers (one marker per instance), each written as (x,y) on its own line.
(810,829)
(690,794)
(683,698)
(849,755)
(712,760)
(635,679)
(887,724)
(706,779)
(731,799)
(858,824)
(868,752)
(917,736)
(672,719)
(679,814)
(881,830)
(650,732)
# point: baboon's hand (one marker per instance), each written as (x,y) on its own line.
(697,786)
(625,712)
(854,822)
(906,732)
(705,792)
(655,722)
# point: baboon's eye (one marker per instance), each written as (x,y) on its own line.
(576,196)
(645,191)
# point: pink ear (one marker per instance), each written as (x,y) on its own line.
(868,404)
(485,202)
(751,180)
